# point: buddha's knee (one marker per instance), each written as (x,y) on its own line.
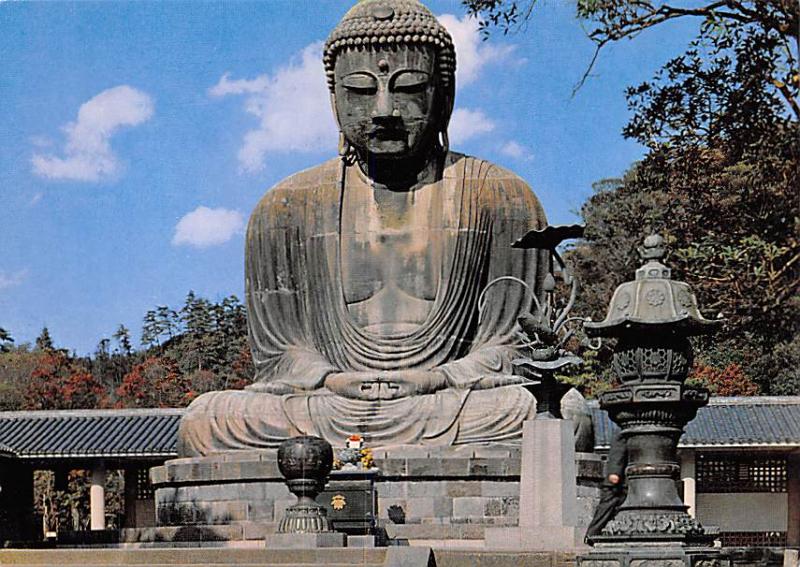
(233,420)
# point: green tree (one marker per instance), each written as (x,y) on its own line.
(719,179)
(6,341)
(607,21)
(123,337)
(44,341)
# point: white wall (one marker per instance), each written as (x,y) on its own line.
(743,512)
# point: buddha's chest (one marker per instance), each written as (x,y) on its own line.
(390,256)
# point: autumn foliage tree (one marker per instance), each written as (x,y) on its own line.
(155,383)
(57,382)
(728,381)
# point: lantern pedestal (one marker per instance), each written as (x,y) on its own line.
(653,555)
(652,418)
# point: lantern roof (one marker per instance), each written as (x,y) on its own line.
(549,237)
(652,299)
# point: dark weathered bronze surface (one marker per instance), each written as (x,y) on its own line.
(363,274)
(305,462)
(652,317)
(547,330)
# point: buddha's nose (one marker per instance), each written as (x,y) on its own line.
(384,109)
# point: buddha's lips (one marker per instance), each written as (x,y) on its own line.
(384,133)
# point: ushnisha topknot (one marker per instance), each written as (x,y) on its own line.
(383,23)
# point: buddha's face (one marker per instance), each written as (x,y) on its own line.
(388,100)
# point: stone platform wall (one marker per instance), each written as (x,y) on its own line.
(422,494)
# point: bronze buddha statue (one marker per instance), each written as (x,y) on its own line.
(363,274)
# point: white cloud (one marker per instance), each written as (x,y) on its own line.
(35,199)
(472,54)
(205,227)
(514,150)
(87,152)
(41,141)
(292,107)
(9,280)
(467,123)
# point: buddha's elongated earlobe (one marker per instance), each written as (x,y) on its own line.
(344,146)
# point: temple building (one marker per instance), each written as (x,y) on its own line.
(740,453)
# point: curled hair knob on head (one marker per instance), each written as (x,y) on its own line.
(380,23)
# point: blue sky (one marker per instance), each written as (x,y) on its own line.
(135,138)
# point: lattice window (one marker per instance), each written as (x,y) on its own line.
(734,472)
(753,539)
(144,490)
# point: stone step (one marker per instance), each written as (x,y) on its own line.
(214,564)
(190,556)
(239,557)
(218,557)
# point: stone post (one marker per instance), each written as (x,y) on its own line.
(97,497)
(548,506)
(548,491)
(688,479)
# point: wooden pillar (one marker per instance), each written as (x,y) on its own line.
(16,502)
(131,473)
(687,458)
(61,479)
(97,497)
(793,495)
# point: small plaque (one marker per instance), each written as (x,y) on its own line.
(352,504)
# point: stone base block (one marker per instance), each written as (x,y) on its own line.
(422,493)
(362,541)
(536,538)
(654,555)
(305,541)
(409,557)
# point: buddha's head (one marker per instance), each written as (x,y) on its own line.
(391,71)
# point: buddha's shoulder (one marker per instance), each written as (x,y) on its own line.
(487,176)
(314,183)
(465,166)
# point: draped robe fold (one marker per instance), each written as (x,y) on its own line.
(300,328)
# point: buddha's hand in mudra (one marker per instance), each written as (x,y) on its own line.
(388,385)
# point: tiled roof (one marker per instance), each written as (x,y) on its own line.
(759,421)
(89,433)
(152,433)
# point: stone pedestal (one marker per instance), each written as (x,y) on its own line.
(548,508)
